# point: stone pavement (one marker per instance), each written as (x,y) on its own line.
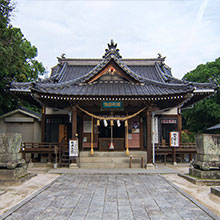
(160,169)
(113,197)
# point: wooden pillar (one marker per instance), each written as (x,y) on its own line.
(74,122)
(141,134)
(92,135)
(43,124)
(149,137)
(126,137)
(179,124)
(179,128)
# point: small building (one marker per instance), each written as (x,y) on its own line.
(23,121)
(112,103)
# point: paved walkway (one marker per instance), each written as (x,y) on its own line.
(160,169)
(113,197)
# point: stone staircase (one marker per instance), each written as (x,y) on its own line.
(110,159)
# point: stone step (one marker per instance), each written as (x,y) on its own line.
(109,165)
(111,154)
(134,165)
(117,162)
(107,160)
(111,159)
(97,165)
(95,159)
(102,154)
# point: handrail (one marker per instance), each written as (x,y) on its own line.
(42,148)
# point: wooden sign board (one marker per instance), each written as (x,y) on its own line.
(112,105)
(174,139)
(73,148)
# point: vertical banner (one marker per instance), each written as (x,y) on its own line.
(73,148)
(174,139)
(155,130)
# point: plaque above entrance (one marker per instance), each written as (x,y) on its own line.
(110,105)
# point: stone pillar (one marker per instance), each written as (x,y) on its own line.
(207,162)
(208,152)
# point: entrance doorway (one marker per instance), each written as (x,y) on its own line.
(168,125)
(118,136)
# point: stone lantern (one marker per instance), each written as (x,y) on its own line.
(12,166)
(207,161)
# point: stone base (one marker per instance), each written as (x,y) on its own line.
(13,174)
(150,166)
(73,166)
(210,174)
(17,181)
(215,191)
(206,165)
(201,182)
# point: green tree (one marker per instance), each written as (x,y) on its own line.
(206,112)
(17,57)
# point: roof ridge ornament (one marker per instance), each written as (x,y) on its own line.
(112,50)
(161,58)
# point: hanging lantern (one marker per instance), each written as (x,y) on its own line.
(126,123)
(112,122)
(98,122)
(118,123)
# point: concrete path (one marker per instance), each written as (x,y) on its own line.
(113,197)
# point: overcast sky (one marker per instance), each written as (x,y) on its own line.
(187,32)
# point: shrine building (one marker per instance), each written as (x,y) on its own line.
(111,103)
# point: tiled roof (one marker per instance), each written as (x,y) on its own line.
(23,110)
(117,88)
(151,77)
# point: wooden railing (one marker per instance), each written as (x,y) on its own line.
(182,145)
(49,148)
(184,148)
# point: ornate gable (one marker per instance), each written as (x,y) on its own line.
(112,71)
(112,68)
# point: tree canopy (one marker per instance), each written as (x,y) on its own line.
(205,113)
(17,57)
